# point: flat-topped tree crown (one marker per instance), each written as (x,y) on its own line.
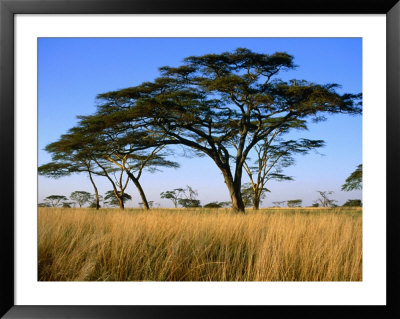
(222,105)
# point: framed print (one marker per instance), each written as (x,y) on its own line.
(165,160)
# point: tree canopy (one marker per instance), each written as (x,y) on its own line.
(221,105)
(354,181)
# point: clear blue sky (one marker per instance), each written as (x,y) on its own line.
(72,71)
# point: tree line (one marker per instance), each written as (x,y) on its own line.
(230,107)
(187,197)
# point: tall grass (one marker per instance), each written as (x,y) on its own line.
(198,245)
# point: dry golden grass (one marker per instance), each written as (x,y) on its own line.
(198,245)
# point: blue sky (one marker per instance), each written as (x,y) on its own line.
(72,71)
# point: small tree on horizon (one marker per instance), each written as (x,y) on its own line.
(190,199)
(279,203)
(67,204)
(55,200)
(294,203)
(80,197)
(324,200)
(173,195)
(111,199)
(353,203)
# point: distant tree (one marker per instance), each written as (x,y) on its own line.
(212,205)
(44,205)
(324,200)
(190,198)
(95,201)
(274,154)
(217,204)
(253,194)
(111,199)
(353,203)
(186,197)
(81,197)
(150,203)
(225,204)
(294,203)
(173,195)
(248,195)
(55,200)
(279,203)
(67,204)
(315,205)
(189,203)
(354,181)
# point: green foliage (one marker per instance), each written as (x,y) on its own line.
(248,194)
(354,181)
(67,204)
(81,197)
(324,200)
(353,203)
(315,205)
(55,200)
(294,203)
(173,195)
(150,203)
(111,200)
(189,203)
(279,203)
(217,204)
(44,205)
(220,105)
(212,205)
(92,201)
(186,197)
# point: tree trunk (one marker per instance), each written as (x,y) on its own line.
(140,190)
(120,201)
(234,192)
(256,198)
(95,191)
(256,203)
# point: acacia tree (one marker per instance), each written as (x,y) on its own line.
(294,203)
(271,158)
(55,200)
(94,201)
(324,200)
(190,198)
(353,203)
(249,194)
(81,197)
(279,203)
(354,181)
(213,99)
(112,200)
(173,195)
(117,179)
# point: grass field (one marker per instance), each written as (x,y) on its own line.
(304,244)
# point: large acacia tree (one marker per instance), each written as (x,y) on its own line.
(216,100)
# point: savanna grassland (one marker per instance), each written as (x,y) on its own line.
(303,244)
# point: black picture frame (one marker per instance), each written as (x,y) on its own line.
(8,8)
